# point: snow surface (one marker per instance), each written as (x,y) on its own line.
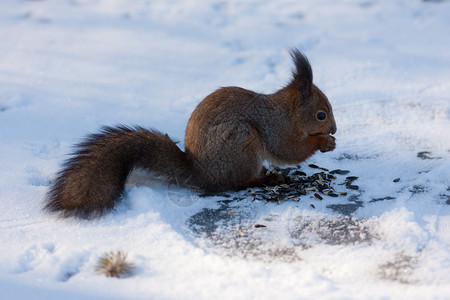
(69,66)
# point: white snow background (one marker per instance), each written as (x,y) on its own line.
(67,67)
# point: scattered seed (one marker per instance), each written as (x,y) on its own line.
(396,179)
(260,226)
(340,172)
(299,173)
(318,196)
(299,184)
(312,205)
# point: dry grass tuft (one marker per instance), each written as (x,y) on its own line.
(114,264)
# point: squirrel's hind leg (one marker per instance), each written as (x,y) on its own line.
(232,157)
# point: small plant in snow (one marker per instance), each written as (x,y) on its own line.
(114,264)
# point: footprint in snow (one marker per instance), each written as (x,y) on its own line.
(35,177)
(33,257)
(72,266)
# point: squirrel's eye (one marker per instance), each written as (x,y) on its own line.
(321,116)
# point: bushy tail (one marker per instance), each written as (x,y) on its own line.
(93,179)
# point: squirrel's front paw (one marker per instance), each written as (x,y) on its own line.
(327,143)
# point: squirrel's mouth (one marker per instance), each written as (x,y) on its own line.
(319,133)
(315,134)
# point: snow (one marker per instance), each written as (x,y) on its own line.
(70,66)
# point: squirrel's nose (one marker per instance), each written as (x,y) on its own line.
(333,128)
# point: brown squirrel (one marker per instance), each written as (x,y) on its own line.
(228,137)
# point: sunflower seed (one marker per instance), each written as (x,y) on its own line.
(299,173)
(318,196)
(340,172)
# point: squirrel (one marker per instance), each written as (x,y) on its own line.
(229,136)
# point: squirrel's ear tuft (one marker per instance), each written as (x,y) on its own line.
(302,74)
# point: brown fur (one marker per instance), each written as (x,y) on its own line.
(228,137)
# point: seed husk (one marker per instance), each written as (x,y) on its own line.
(260,226)
(396,179)
(353,187)
(339,227)
(327,191)
(318,196)
(313,166)
(232,212)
